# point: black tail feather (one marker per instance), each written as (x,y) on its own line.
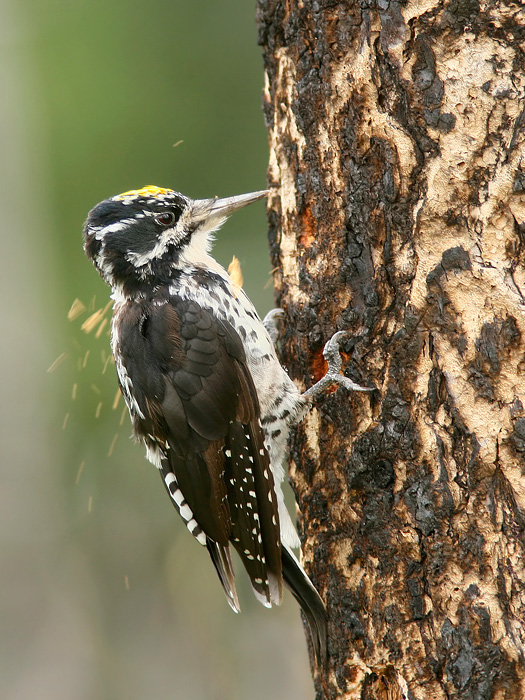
(302,588)
(222,561)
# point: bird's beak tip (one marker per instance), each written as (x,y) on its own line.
(225,206)
(242,200)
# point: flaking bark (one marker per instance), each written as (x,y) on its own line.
(398,212)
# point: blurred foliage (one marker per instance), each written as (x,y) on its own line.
(105,594)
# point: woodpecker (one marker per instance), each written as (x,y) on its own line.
(206,393)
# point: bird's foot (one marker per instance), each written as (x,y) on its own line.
(332,354)
(270,322)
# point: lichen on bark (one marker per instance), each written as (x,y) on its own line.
(397,212)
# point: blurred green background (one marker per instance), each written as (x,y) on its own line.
(104,593)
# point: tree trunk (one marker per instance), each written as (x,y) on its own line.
(398,212)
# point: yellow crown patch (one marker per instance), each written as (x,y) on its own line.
(148,191)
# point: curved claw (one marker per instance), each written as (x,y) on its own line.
(273,315)
(270,323)
(332,355)
(332,351)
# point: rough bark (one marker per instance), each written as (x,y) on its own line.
(398,212)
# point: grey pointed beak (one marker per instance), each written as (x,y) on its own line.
(228,205)
(221,208)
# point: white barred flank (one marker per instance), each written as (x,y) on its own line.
(183,508)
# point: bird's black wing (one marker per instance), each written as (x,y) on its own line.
(193,403)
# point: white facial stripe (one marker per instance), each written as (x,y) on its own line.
(113,228)
(167,237)
(141,259)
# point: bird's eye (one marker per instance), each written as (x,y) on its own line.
(165,218)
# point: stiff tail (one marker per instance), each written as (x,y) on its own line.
(222,561)
(299,584)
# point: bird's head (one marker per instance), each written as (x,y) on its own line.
(142,236)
